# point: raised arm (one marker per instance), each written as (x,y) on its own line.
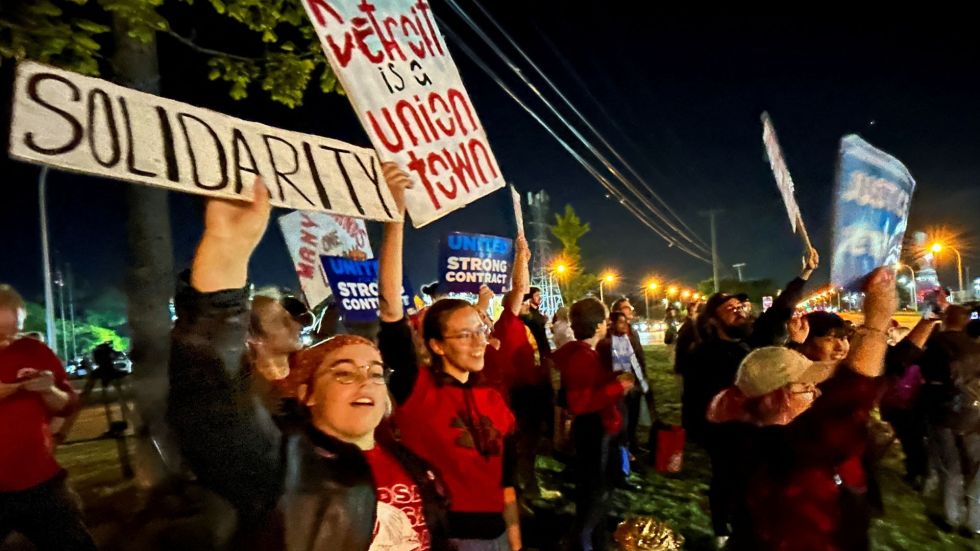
(520,277)
(227,438)
(867,355)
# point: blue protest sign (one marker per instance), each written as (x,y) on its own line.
(469,260)
(355,287)
(874,192)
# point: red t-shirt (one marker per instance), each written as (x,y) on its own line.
(589,387)
(400,522)
(26,447)
(513,363)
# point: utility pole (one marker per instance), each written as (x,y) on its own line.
(738,268)
(46,260)
(714,245)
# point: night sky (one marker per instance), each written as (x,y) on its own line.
(679,98)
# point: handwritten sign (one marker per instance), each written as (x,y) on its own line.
(779,169)
(310,235)
(404,86)
(84,124)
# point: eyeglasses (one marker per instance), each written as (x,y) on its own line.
(348,375)
(481,334)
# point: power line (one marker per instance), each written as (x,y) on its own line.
(579,114)
(578,157)
(605,162)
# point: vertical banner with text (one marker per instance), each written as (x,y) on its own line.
(406,90)
(874,193)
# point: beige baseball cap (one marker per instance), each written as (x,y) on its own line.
(773,367)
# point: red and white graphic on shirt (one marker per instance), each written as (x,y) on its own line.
(400,524)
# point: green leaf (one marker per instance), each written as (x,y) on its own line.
(92,26)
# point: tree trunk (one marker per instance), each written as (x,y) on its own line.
(150,278)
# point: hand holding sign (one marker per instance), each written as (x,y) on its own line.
(398,181)
(810,263)
(880,298)
(232,230)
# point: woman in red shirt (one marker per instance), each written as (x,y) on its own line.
(462,429)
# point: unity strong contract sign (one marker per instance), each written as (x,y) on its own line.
(405,88)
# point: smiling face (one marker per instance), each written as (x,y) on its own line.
(463,342)
(349,396)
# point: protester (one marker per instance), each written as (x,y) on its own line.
(35,499)
(618,355)
(561,328)
(290,478)
(727,335)
(807,482)
(901,405)
(643,390)
(951,368)
(592,394)
(465,430)
(532,397)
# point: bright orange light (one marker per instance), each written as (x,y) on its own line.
(609,278)
(685,294)
(561,268)
(652,286)
(672,291)
(697,296)
(936,247)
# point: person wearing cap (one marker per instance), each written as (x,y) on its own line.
(806,481)
(727,335)
(329,479)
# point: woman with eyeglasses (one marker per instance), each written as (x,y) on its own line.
(463,429)
(328,479)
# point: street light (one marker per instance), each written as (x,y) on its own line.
(938,247)
(671,291)
(649,287)
(685,294)
(912,286)
(609,278)
(560,269)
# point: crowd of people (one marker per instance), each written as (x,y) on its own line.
(423,435)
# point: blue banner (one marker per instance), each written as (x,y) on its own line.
(469,260)
(874,192)
(355,287)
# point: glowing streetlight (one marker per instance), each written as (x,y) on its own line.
(560,269)
(685,294)
(912,287)
(671,291)
(607,279)
(650,287)
(938,247)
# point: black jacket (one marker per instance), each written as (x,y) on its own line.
(292,486)
(713,362)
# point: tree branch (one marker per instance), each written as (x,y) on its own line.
(198,48)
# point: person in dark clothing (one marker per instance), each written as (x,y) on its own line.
(592,393)
(806,478)
(727,336)
(951,368)
(465,430)
(329,479)
(901,401)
